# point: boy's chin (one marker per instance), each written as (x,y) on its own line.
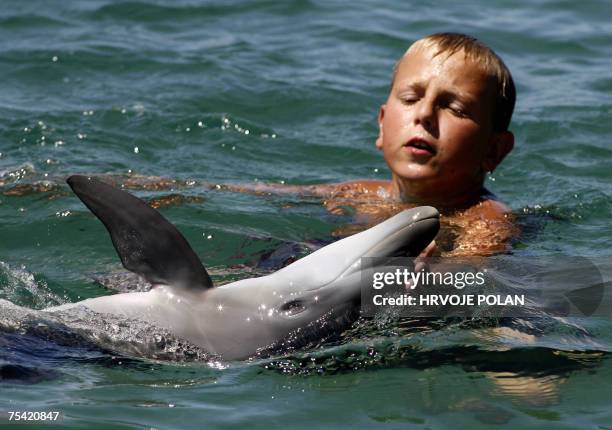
(414,172)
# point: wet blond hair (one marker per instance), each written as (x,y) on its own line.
(490,63)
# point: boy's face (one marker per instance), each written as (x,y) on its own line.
(436,126)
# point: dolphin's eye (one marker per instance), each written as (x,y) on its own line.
(293,307)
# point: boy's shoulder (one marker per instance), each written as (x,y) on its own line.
(489,208)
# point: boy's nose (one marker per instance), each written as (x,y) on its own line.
(425,115)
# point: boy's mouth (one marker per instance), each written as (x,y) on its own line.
(419,146)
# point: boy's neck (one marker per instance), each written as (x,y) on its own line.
(405,192)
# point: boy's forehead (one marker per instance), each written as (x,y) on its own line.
(422,61)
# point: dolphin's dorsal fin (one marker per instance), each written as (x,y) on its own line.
(145,241)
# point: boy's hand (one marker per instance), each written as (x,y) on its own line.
(420,262)
(428,251)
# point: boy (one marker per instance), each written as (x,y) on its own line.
(443,127)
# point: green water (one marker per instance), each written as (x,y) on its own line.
(289,91)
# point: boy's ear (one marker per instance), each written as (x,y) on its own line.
(500,144)
(381,115)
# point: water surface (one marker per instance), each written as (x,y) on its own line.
(289,91)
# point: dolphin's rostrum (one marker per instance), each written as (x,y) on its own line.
(239,319)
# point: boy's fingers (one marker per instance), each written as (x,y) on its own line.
(420,262)
(428,251)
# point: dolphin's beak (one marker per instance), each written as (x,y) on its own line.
(406,234)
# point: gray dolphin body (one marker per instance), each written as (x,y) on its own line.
(239,319)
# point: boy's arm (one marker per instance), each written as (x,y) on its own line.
(319,190)
(266,188)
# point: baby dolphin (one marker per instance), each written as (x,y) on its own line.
(239,319)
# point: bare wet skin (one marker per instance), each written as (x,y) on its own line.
(173,200)
(47,187)
(463,232)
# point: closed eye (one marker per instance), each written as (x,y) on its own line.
(408,100)
(411,94)
(458,110)
(456,104)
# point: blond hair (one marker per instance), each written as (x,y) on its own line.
(490,63)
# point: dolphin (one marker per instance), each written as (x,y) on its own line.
(241,319)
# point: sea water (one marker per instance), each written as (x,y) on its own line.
(287,92)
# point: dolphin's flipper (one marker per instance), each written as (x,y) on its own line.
(145,241)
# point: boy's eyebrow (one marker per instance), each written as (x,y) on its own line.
(417,86)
